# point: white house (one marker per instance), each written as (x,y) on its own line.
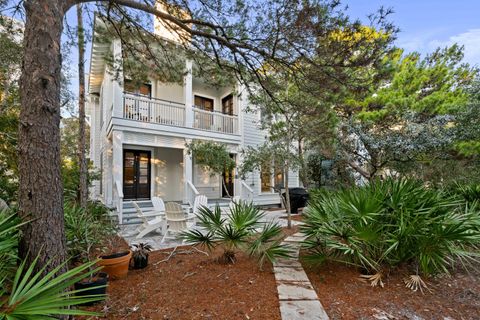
(138,136)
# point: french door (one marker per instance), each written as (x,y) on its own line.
(136,174)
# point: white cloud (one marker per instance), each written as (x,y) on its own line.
(469,39)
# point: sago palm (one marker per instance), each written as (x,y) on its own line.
(241,229)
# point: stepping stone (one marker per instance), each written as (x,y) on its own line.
(294,239)
(286,262)
(299,234)
(296,291)
(302,310)
(290,274)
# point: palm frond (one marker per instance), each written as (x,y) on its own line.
(38,296)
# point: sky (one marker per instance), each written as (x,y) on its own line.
(427,24)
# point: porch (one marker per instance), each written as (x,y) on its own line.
(142,172)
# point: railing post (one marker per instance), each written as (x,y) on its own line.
(187,172)
(188,95)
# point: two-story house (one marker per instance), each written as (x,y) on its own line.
(139,133)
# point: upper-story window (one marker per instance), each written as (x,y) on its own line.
(227,105)
(203,103)
(144,89)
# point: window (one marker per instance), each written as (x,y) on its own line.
(278,177)
(227,105)
(266,178)
(271,179)
(203,103)
(144,89)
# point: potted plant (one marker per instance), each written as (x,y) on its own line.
(82,231)
(140,255)
(116,264)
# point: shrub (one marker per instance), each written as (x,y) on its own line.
(466,192)
(241,229)
(9,226)
(28,295)
(86,229)
(388,223)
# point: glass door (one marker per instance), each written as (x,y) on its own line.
(136,174)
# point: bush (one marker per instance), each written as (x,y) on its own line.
(86,229)
(9,226)
(28,295)
(242,229)
(467,192)
(388,223)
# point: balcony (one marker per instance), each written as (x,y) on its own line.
(151,110)
(215,121)
(158,111)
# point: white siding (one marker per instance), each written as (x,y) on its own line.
(253,136)
(167,165)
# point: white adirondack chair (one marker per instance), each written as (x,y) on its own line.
(200,201)
(149,225)
(176,220)
(158,205)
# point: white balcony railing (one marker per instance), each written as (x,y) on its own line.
(153,110)
(215,121)
(145,109)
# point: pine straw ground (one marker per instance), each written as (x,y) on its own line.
(189,285)
(345,296)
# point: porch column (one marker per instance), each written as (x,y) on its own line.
(117,171)
(188,95)
(237,190)
(117,83)
(187,173)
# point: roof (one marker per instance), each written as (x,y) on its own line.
(100,49)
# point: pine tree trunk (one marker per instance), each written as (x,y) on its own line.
(82,160)
(287,198)
(40,194)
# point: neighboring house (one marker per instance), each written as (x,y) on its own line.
(138,136)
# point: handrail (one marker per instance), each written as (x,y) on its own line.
(244,184)
(215,121)
(145,109)
(249,195)
(119,201)
(196,108)
(192,192)
(151,98)
(193,188)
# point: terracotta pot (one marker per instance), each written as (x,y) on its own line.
(116,265)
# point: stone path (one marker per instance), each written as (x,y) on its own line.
(298,299)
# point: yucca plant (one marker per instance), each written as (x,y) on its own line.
(242,229)
(28,295)
(34,296)
(9,226)
(466,192)
(392,222)
(86,229)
